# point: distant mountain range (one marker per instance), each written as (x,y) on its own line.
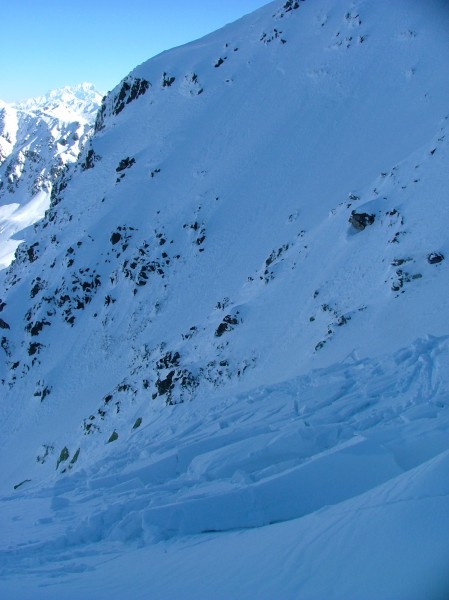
(38,139)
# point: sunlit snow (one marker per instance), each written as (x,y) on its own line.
(224,352)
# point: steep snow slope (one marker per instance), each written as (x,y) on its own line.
(201,335)
(38,138)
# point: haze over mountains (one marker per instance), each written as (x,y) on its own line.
(224,350)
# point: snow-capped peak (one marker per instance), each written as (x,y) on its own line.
(69,103)
(38,139)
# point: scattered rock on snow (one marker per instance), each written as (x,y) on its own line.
(113,437)
(361,220)
(3,324)
(226,325)
(435,257)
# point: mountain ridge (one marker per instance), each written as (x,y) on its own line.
(38,138)
(79,102)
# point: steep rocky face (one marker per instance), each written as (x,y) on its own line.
(38,139)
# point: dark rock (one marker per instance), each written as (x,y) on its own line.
(42,391)
(35,328)
(115,238)
(63,456)
(74,458)
(38,285)
(5,345)
(164,386)
(138,88)
(125,163)
(170,359)
(361,220)
(342,320)
(127,94)
(90,160)
(167,81)
(397,262)
(32,256)
(435,257)
(114,436)
(33,348)
(291,5)
(226,325)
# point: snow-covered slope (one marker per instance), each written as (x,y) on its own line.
(38,138)
(226,345)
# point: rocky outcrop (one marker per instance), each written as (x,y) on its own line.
(361,220)
(435,257)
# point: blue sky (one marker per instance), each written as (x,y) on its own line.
(46,44)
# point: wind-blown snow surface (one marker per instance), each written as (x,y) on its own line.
(38,138)
(213,385)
